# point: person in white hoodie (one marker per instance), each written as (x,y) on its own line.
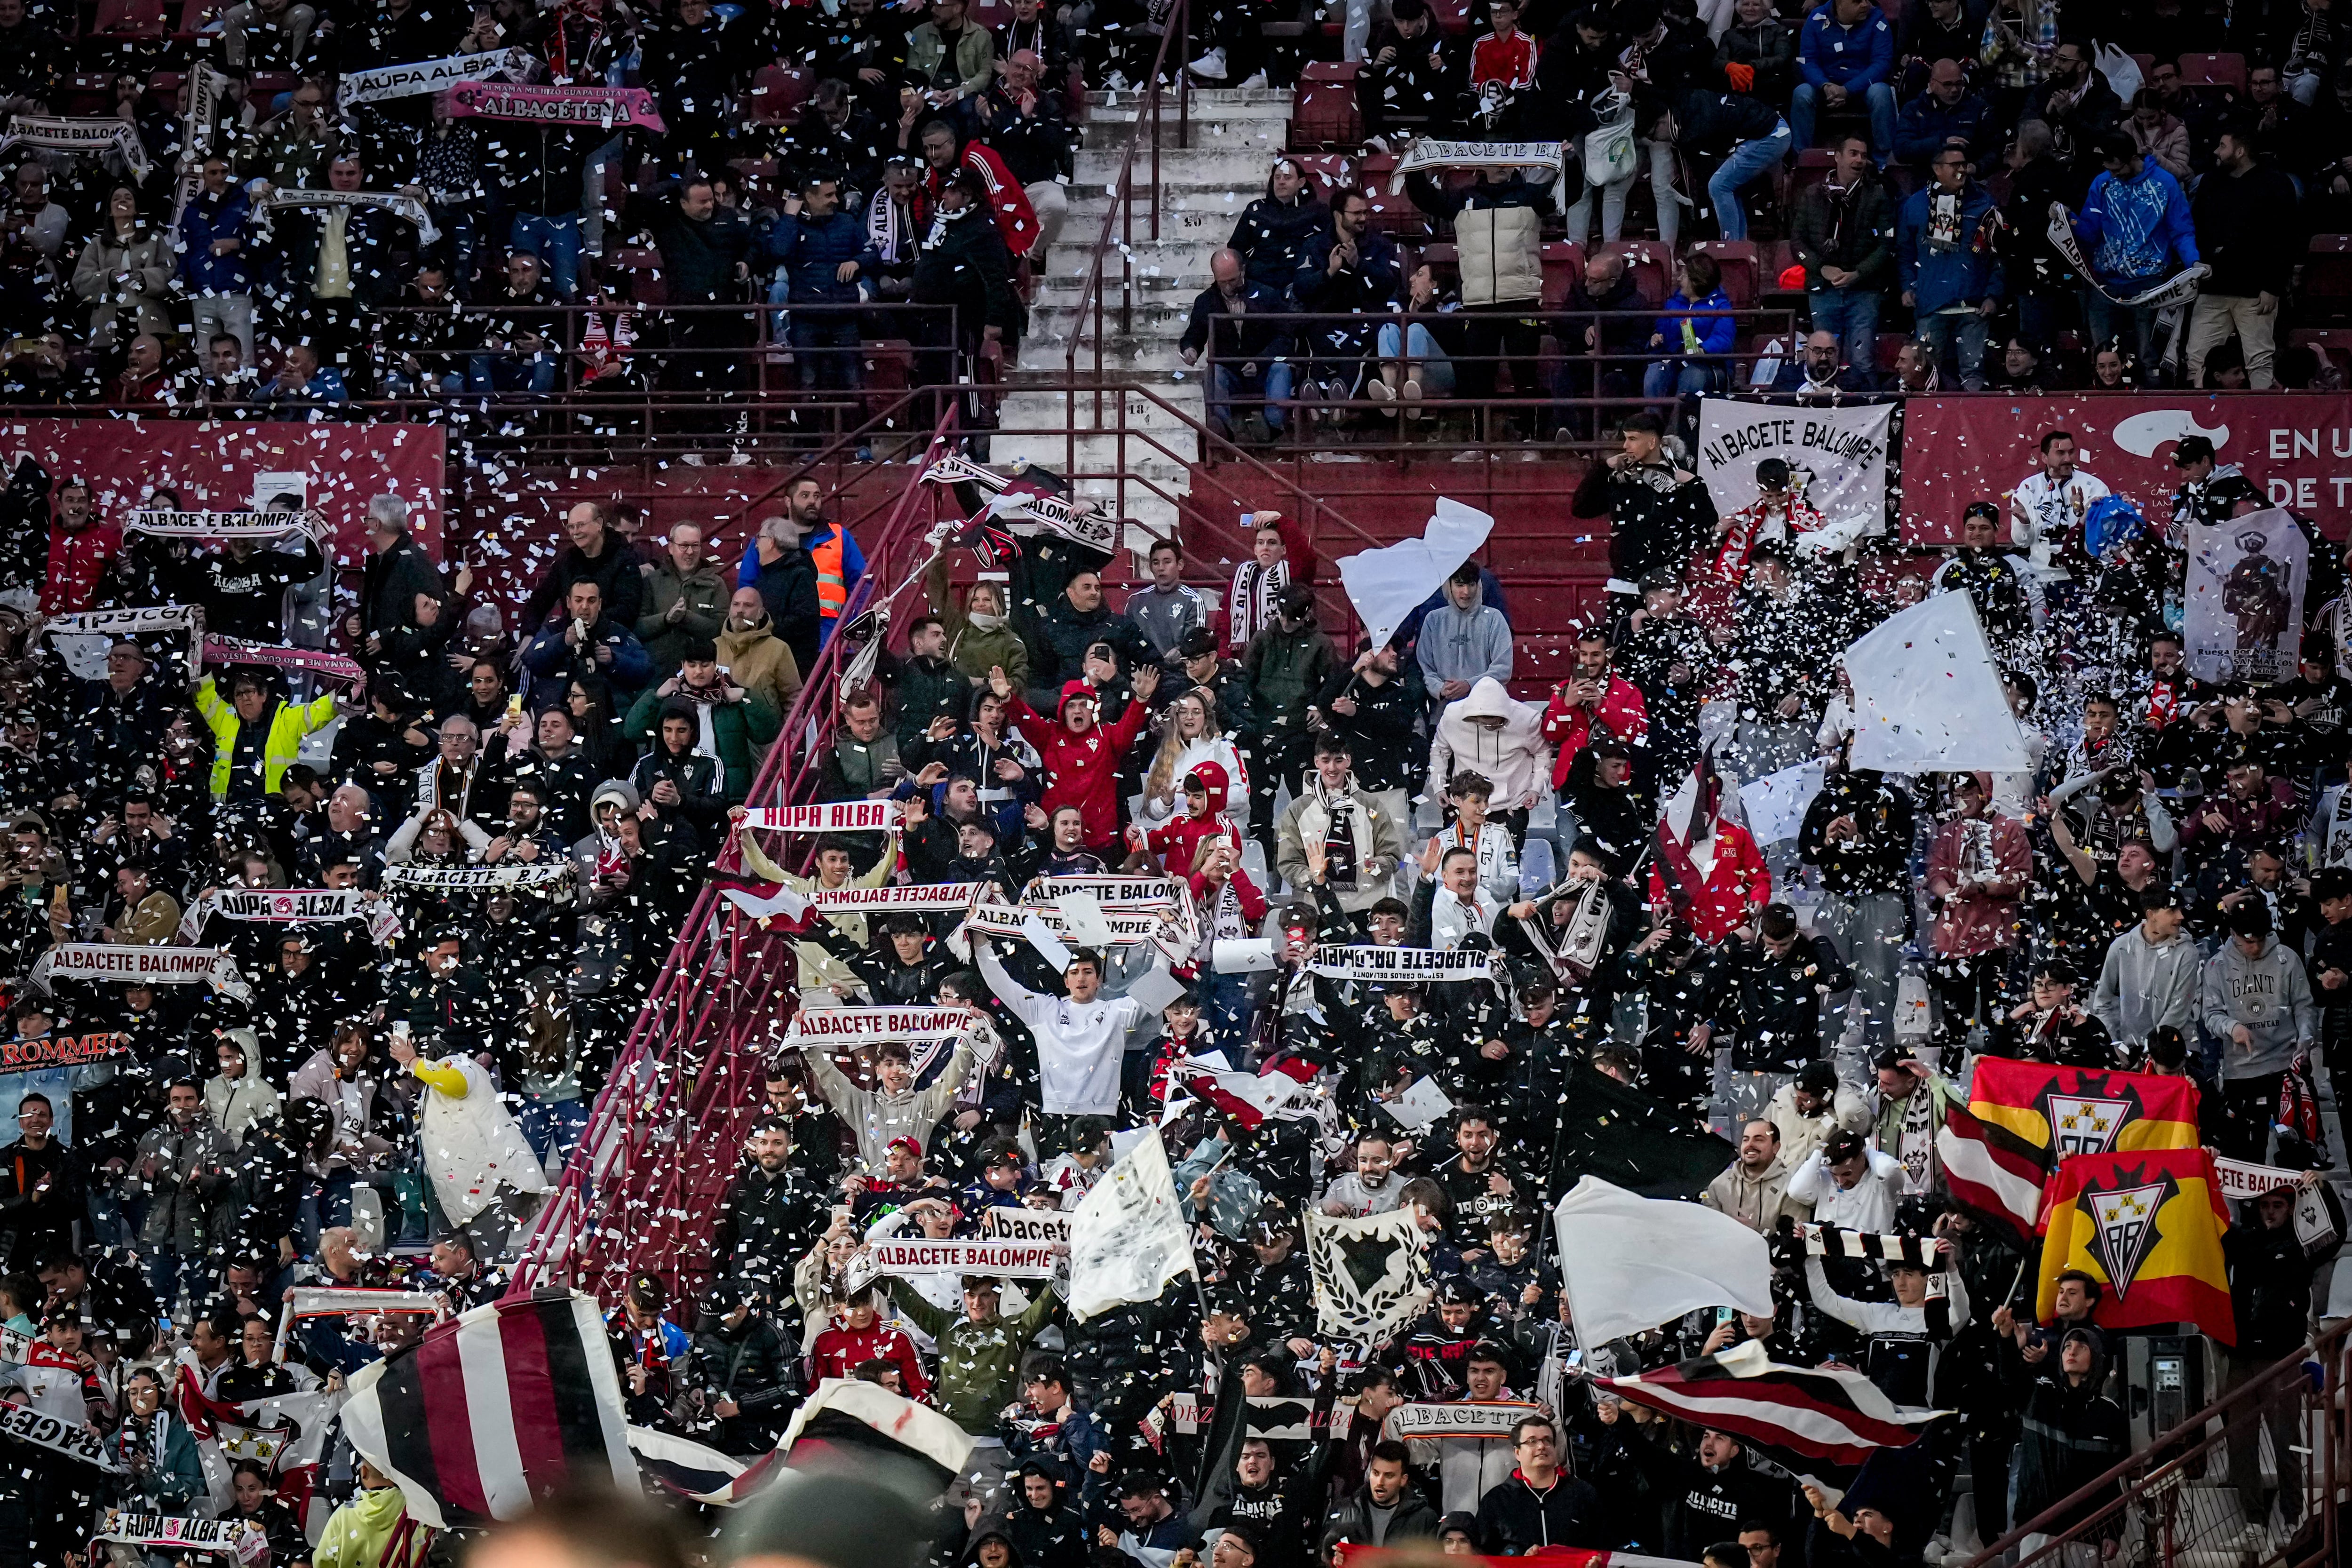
(2149,979)
(239,1097)
(1850,1184)
(1488,732)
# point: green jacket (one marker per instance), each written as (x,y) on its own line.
(1285,671)
(980,1363)
(705,592)
(737,727)
(1886,1133)
(975,57)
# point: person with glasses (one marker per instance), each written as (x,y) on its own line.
(1951,273)
(1541,1505)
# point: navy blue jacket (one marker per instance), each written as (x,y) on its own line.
(812,250)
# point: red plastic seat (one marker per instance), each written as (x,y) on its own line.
(778,92)
(1563,264)
(2327,272)
(2214,71)
(1736,257)
(1323,110)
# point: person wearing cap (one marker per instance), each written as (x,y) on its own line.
(2255,999)
(1912,1102)
(2149,977)
(1372,705)
(649,1353)
(2211,490)
(1041,1526)
(1779,513)
(2136,227)
(1082,758)
(980,1359)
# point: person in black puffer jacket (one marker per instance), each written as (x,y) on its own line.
(1042,1529)
(2073,1435)
(1123,1361)
(1277,229)
(964,263)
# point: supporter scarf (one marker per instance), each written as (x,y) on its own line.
(885,228)
(1128,928)
(240,1538)
(26,1424)
(2176,290)
(340,669)
(1055,513)
(57,1051)
(393,202)
(150,965)
(929,897)
(79,136)
(999,1260)
(848,1027)
(1473,1418)
(121,623)
(275,905)
(532,875)
(227,524)
(1746,526)
(1499,157)
(832,817)
(603,107)
(1418,965)
(1837,1241)
(429,76)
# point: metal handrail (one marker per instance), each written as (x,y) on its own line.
(719,985)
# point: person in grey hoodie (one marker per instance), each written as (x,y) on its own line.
(2150,977)
(2257,1003)
(1462,639)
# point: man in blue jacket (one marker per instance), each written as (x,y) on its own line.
(1845,56)
(1951,274)
(2136,229)
(1946,112)
(581,639)
(822,251)
(214,266)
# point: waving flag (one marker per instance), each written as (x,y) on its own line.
(2147,1225)
(687,1469)
(494,1409)
(1987,1170)
(756,886)
(2048,1113)
(1835,1417)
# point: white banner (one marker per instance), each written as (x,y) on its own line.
(148,965)
(227,524)
(1003,1222)
(846,1028)
(71,1439)
(509,876)
(1483,1418)
(1927,696)
(431,76)
(1371,1273)
(237,1538)
(832,817)
(1000,1260)
(2246,581)
(1388,583)
(1129,1238)
(940,898)
(1416,965)
(119,623)
(119,136)
(1837,456)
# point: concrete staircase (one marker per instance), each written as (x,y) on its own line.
(1236,135)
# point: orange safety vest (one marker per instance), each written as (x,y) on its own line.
(831,590)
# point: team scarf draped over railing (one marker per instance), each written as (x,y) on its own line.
(1496,157)
(430,75)
(1074,520)
(1400,965)
(2176,290)
(607,107)
(340,668)
(57,134)
(405,207)
(169,1533)
(510,877)
(253,524)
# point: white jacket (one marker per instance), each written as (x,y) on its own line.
(237,1104)
(1868,1205)
(1512,755)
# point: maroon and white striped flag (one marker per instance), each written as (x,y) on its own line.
(1832,1416)
(496,1409)
(1984,1171)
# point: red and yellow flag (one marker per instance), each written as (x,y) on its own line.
(2049,1113)
(2147,1225)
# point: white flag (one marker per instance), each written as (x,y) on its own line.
(1371,1273)
(1629,1263)
(1129,1238)
(1928,697)
(1387,584)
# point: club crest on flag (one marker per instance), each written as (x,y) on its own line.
(2127,1227)
(2082,1125)
(1371,1273)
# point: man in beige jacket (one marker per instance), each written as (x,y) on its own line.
(1754,1188)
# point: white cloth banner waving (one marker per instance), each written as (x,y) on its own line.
(1629,1263)
(1838,457)
(1129,1238)
(1386,584)
(1928,697)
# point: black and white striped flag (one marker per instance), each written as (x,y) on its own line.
(496,1409)
(1795,1413)
(1837,1241)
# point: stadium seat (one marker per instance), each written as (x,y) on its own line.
(195,16)
(1442,257)
(1652,265)
(2214,71)
(89,94)
(1395,216)
(1454,17)
(129,19)
(1563,264)
(1812,169)
(643,267)
(2331,344)
(778,92)
(2327,271)
(1737,260)
(1887,346)
(1323,111)
(2147,63)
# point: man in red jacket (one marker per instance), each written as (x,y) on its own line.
(80,549)
(1081,757)
(944,150)
(1591,697)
